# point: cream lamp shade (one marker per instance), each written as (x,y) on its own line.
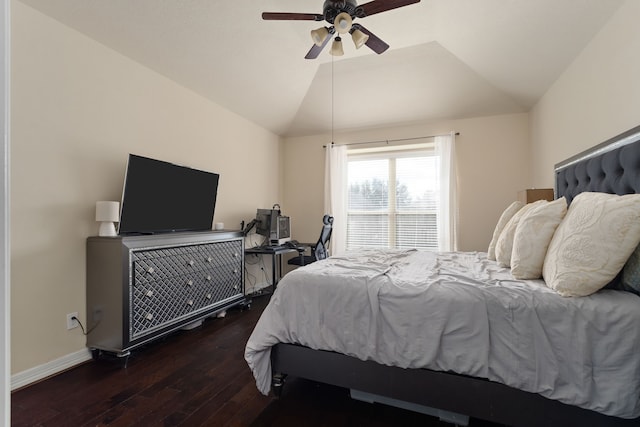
(336,47)
(319,36)
(359,38)
(343,23)
(107,213)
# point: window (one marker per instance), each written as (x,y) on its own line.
(393,198)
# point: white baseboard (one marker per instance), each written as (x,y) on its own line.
(37,373)
(48,369)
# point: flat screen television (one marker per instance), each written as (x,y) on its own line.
(161,197)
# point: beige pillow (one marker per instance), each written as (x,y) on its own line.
(592,243)
(504,245)
(532,237)
(504,219)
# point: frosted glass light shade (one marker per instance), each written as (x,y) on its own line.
(319,36)
(106,214)
(336,47)
(359,38)
(343,23)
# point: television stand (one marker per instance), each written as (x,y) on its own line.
(140,288)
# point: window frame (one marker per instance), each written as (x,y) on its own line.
(391,154)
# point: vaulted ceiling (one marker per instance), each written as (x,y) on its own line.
(448,58)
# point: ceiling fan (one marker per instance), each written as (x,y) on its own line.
(340,15)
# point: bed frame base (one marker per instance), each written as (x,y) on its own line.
(473,397)
(446,416)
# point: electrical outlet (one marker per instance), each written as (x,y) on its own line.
(71,322)
(97,314)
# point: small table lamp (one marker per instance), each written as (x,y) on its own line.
(106,214)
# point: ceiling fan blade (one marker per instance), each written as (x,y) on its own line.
(269,16)
(315,49)
(374,43)
(377,6)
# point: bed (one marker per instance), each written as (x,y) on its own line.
(471,341)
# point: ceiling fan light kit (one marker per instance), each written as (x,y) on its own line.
(340,14)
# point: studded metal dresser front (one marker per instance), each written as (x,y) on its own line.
(142,287)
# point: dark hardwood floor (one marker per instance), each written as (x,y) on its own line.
(194,378)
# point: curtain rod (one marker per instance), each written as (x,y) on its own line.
(387,141)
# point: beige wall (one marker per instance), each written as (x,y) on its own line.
(596,98)
(78,109)
(493,164)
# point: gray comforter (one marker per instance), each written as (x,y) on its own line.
(459,312)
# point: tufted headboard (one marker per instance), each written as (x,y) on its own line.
(610,167)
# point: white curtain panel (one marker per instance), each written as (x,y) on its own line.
(335,195)
(448,212)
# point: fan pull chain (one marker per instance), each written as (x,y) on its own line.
(332,100)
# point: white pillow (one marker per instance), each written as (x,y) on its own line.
(592,243)
(504,245)
(504,219)
(532,237)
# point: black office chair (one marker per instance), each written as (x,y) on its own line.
(319,250)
